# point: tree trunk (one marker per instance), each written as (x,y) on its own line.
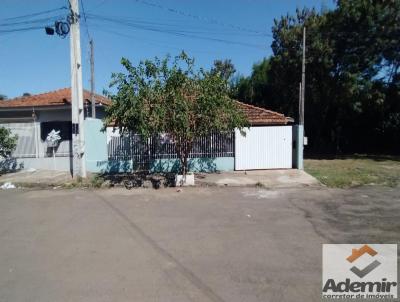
(183,150)
(184,165)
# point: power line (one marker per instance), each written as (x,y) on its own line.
(85,19)
(164,25)
(156,28)
(21,29)
(83,10)
(35,14)
(198,17)
(172,32)
(42,20)
(97,6)
(148,41)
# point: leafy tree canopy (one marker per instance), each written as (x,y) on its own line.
(352,75)
(224,68)
(170,96)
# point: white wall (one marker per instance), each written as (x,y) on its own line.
(267,147)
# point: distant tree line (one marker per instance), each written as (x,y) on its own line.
(352,79)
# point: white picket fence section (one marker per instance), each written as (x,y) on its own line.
(264,148)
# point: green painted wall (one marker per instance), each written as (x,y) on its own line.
(162,165)
(195,164)
(95,145)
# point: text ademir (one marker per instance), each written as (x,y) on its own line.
(356,287)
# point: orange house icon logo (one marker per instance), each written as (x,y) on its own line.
(357,253)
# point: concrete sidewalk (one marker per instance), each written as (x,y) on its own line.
(266,178)
(37,178)
(289,178)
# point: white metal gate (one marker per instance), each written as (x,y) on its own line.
(264,148)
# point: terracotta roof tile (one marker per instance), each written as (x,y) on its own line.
(255,115)
(260,116)
(52,98)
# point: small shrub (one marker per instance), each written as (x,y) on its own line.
(96,181)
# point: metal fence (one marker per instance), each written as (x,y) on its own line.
(132,147)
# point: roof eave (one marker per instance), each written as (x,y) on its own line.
(45,107)
(261,123)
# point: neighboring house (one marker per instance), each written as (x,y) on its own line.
(267,144)
(33,117)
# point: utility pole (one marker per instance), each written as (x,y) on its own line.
(92,100)
(303,77)
(300,127)
(78,139)
(300,99)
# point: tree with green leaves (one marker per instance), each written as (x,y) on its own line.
(352,75)
(255,88)
(224,68)
(8,142)
(170,97)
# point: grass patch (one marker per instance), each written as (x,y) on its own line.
(355,171)
(96,181)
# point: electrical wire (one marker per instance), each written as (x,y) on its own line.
(97,6)
(159,27)
(149,41)
(35,14)
(199,30)
(198,17)
(85,19)
(42,20)
(21,29)
(182,33)
(17,23)
(185,33)
(28,25)
(83,10)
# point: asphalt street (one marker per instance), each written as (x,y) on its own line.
(200,244)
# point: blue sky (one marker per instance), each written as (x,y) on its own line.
(33,62)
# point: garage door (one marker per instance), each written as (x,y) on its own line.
(264,148)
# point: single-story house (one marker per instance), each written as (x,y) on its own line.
(32,117)
(267,144)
